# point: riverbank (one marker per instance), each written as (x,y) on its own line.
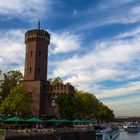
(66,133)
(50,134)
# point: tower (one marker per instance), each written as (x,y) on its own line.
(35,76)
(36,63)
(37,42)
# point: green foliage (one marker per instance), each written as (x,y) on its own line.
(83,105)
(11,78)
(17,102)
(56,81)
(86,105)
(65,104)
(105,113)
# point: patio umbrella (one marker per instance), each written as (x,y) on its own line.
(77,121)
(14,119)
(87,121)
(1,119)
(93,120)
(52,120)
(34,120)
(65,121)
(14,122)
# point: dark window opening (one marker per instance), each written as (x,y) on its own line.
(44,88)
(30,69)
(39,53)
(53,104)
(31,53)
(38,70)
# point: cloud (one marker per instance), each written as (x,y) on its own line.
(12,49)
(123,102)
(114,59)
(121,91)
(26,9)
(108,60)
(113,4)
(132,16)
(125,107)
(128,34)
(127,15)
(64,42)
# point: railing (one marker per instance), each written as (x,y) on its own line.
(25,132)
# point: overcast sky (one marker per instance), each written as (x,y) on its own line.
(95,45)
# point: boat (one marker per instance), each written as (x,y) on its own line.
(133,128)
(125,125)
(106,133)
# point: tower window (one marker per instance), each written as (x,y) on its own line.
(30,70)
(31,53)
(39,53)
(53,104)
(38,70)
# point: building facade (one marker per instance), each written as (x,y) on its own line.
(35,76)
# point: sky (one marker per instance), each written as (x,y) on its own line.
(95,45)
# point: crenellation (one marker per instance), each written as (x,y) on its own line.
(59,89)
(37,32)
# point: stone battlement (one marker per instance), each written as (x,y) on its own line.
(59,89)
(37,34)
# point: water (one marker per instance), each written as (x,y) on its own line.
(128,136)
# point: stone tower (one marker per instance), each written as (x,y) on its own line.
(37,42)
(35,76)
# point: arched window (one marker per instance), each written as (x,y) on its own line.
(53,104)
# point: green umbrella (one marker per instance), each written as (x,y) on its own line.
(77,121)
(5,118)
(64,121)
(93,120)
(34,120)
(52,120)
(14,119)
(1,119)
(87,121)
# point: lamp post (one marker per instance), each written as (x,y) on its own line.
(1,77)
(0,81)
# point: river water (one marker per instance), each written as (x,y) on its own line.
(128,136)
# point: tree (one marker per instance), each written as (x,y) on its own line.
(65,104)
(105,113)
(56,81)
(11,78)
(17,102)
(86,105)
(83,105)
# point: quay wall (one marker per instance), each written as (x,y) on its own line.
(55,136)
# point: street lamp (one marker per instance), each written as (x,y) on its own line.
(0,80)
(0,74)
